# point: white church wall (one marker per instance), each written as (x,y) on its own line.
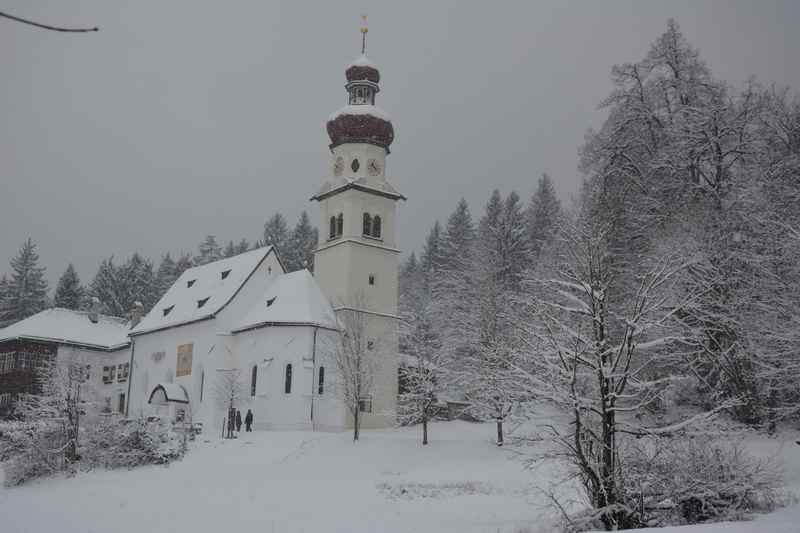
(156,361)
(271,349)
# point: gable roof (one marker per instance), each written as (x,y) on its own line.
(65,326)
(296,299)
(201,292)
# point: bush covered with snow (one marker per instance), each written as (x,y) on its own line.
(32,450)
(126,443)
(689,480)
(29,450)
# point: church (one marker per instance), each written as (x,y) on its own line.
(244,323)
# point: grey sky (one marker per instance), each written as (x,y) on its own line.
(184,118)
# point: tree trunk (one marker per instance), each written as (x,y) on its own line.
(355,424)
(499,431)
(425,431)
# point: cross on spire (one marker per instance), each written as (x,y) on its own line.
(364,31)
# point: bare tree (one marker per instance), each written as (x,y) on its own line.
(358,354)
(64,397)
(229,390)
(424,377)
(606,355)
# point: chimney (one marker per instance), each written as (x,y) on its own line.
(136,313)
(94,310)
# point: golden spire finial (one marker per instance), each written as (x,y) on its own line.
(364,31)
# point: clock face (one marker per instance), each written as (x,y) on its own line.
(373,167)
(338,166)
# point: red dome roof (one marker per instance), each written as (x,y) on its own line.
(347,126)
(362,69)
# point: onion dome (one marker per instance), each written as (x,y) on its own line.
(362,69)
(361,121)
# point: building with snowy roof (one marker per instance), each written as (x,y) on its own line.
(242,331)
(97,341)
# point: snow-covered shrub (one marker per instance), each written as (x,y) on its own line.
(29,450)
(684,480)
(126,443)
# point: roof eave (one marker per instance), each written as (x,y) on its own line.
(266,324)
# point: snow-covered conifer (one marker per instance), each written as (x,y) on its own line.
(209,251)
(542,215)
(299,250)
(69,292)
(276,233)
(27,288)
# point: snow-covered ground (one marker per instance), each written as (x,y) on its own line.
(322,482)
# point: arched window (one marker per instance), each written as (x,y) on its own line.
(333,228)
(339,224)
(367,224)
(321,386)
(376,227)
(253,380)
(287,386)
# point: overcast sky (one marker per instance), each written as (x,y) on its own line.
(184,118)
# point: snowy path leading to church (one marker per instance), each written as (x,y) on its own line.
(321,482)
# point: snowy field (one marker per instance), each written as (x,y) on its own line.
(322,482)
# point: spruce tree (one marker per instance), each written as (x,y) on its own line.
(542,216)
(27,288)
(183,264)
(458,239)
(209,251)
(166,275)
(276,233)
(5,299)
(243,246)
(230,250)
(105,287)
(69,293)
(138,283)
(432,250)
(299,253)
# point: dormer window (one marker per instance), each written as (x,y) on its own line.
(271,301)
(190,283)
(201,303)
(225,273)
(167,310)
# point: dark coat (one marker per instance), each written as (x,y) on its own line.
(248,418)
(239,418)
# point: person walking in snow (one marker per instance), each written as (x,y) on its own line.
(238,421)
(248,420)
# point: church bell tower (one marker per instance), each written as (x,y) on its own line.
(356,260)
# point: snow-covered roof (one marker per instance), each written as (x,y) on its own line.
(168,392)
(201,292)
(362,61)
(361,109)
(379,186)
(293,298)
(65,326)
